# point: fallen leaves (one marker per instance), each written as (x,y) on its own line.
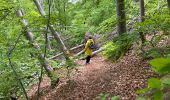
(123,78)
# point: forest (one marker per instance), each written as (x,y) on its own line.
(84,49)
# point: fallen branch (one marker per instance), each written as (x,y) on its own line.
(94,53)
(59,54)
(76,47)
(97,51)
(78,53)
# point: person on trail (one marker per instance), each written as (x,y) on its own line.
(89,46)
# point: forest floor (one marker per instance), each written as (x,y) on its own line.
(122,78)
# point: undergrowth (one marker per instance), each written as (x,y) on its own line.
(119,46)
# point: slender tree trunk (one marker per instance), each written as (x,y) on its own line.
(48,43)
(142,10)
(48,39)
(65,17)
(168,1)
(53,32)
(58,39)
(142,15)
(121,17)
(29,35)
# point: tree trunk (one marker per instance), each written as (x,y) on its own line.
(48,43)
(53,32)
(121,17)
(168,1)
(48,39)
(142,15)
(142,10)
(58,39)
(44,63)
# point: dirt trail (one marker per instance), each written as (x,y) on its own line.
(122,78)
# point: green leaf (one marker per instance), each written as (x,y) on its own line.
(161,65)
(158,95)
(166,81)
(115,98)
(142,91)
(140,98)
(154,83)
(104,96)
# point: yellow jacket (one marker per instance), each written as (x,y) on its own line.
(88,51)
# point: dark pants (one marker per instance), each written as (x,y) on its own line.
(88,59)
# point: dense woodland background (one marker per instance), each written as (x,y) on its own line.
(39,37)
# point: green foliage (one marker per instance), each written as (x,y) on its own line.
(115,98)
(157,22)
(153,53)
(157,86)
(161,65)
(157,52)
(7,82)
(70,63)
(120,45)
(26,66)
(105,96)
(110,50)
(158,95)
(166,81)
(154,83)
(143,91)
(140,98)
(90,16)
(107,25)
(96,16)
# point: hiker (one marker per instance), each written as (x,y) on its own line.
(89,46)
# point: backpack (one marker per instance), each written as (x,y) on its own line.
(92,46)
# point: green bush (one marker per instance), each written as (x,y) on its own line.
(119,46)
(161,65)
(111,50)
(157,52)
